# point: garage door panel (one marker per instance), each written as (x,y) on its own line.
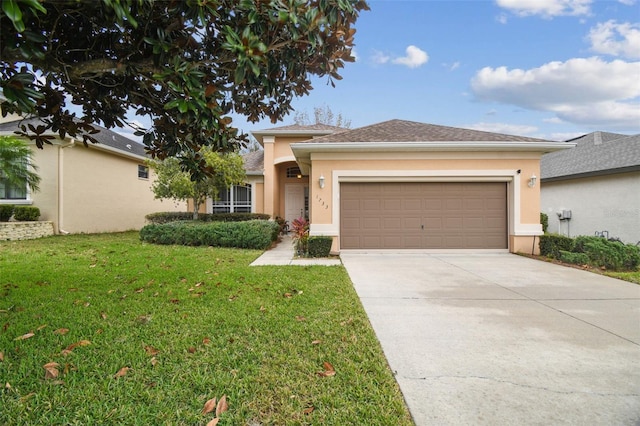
(423,215)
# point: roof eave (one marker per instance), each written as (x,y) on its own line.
(304,149)
(593,173)
(257,133)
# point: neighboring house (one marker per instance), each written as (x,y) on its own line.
(402,185)
(598,182)
(104,187)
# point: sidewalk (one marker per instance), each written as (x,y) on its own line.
(283,254)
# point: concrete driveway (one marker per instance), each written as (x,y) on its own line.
(500,339)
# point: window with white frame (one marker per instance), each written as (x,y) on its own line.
(143,172)
(236,199)
(11,192)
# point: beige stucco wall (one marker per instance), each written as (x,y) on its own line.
(88,190)
(524,204)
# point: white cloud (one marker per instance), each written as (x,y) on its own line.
(414,58)
(380,58)
(582,90)
(546,8)
(505,128)
(628,2)
(616,39)
(502,18)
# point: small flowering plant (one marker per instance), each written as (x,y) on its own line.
(300,228)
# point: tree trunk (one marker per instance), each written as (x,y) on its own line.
(196,208)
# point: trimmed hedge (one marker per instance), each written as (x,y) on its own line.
(552,244)
(167,217)
(6,211)
(319,246)
(589,250)
(26,213)
(544,221)
(252,234)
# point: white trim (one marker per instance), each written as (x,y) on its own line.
(528,229)
(268,139)
(286,159)
(323,229)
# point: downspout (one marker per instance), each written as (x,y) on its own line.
(61,186)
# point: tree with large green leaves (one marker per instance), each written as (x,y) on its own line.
(173,183)
(186,64)
(17,169)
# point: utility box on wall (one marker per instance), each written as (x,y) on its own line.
(564,215)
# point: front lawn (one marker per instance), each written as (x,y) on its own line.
(104,329)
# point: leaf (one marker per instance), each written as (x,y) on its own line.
(316,342)
(213,422)
(206,341)
(103,315)
(150,350)
(51,370)
(61,331)
(122,372)
(222,406)
(191,350)
(309,410)
(209,406)
(25,336)
(1,356)
(41,327)
(300,318)
(154,361)
(328,370)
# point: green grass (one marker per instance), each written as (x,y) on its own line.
(258,335)
(633,277)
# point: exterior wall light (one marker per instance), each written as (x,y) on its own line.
(532,181)
(321,181)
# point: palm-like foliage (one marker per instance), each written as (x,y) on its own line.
(16,166)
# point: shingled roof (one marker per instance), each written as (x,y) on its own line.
(254,162)
(411,131)
(597,153)
(105,136)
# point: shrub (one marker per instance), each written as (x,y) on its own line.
(575,258)
(253,234)
(300,228)
(551,244)
(6,211)
(167,217)
(26,213)
(319,246)
(544,221)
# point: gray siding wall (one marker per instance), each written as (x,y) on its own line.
(603,203)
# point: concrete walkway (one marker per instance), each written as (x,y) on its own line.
(500,339)
(283,254)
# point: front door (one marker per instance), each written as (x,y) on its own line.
(294,205)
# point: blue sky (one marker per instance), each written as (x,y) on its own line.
(553,69)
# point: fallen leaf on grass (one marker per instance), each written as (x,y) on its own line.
(41,327)
(154,361)
(300,318)
(150,350)
(209,406)
(263,309)
(103,315)
(191,350)
(222,406)
(61,331)
(122,372)
(25,336)
(206,341)
(51,370)
(287,295)
(76,344)
(1,356)
(328,370)
(316,342)
(309,410)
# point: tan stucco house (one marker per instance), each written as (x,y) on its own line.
(104,187)
(401,185)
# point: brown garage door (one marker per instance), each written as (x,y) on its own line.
(423,215)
